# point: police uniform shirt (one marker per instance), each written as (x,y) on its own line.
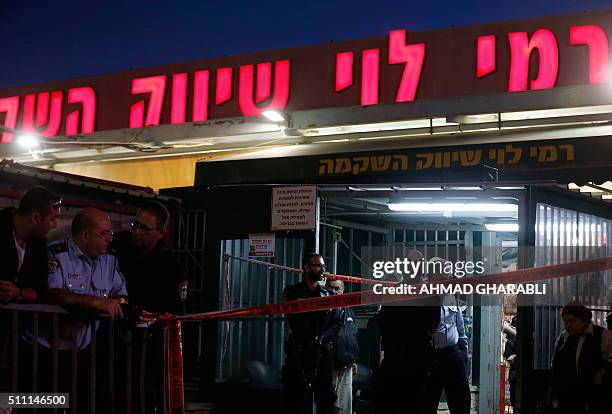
(73,271)
(451,329)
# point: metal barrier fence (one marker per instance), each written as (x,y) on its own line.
(106,376)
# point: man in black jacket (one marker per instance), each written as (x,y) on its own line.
(407,330)
(156,282)
(346,354)
(23,259)
(308,367)
(23,271)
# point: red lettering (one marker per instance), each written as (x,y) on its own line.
(200,95)
(86,97)
(344,70)
(179,98)
(156,87)
(52,117)
(282,74)
(224,85)
(264,81)
(9,106)
(370,77)
(544,41)
(485,61)
(412,56)
(597,41)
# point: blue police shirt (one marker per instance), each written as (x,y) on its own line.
(451,329)
(77,273)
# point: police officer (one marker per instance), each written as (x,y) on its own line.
(408,353)
(156,281)
(23,272)
(308,366)
(82,276)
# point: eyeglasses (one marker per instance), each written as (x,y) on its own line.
(106,234)
(336,288)
(138,225)
(57,204)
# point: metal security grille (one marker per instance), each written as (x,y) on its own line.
(188,245)
(242,341)
(564,236)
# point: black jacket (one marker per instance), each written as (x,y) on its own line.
(34,269)
(152,281)
(346,346)
(411,325)
(307,326)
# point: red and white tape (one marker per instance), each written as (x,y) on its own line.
(344,278)
(368,297)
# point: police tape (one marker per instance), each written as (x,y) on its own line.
(369,297)
(332,276)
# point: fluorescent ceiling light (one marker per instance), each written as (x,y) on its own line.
(509,188)
(513,227)
(452,207)
(473,188)
(273,115)
(418,188)
(27,141)
(377,127)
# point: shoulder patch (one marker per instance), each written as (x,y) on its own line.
(58,247)
(53,264)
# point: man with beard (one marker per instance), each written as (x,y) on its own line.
(308,366)
(23,275)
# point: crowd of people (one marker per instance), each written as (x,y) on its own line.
(92,272)
(424,350)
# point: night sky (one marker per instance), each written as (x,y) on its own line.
(52,40)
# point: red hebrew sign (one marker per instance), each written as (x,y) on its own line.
(401,67)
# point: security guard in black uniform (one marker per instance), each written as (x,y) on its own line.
(407,342)
(156,283)
(308,366)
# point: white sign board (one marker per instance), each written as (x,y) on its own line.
(294,208)
(261,245)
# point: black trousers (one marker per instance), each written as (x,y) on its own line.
(297,397)
(449,374)
(401,381)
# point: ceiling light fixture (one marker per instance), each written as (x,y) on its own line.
(453,207)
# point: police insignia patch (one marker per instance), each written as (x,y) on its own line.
(53,265)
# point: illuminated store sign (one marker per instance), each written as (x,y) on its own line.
(399,68)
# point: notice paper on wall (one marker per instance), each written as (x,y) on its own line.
(261,245)
(294,208)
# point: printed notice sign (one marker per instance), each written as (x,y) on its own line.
(294,208)
(261,245)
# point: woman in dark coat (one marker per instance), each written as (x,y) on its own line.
(581,364)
